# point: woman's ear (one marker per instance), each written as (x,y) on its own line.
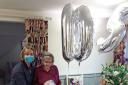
(42,60)
(22,54)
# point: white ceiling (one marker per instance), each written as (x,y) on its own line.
(40,5)
(35,5)
(20,9)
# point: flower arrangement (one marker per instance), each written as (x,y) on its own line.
(115,74)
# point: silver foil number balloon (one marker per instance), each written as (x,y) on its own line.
(66,33)
(77,33)
(117,27)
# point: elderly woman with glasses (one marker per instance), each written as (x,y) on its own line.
(47,73)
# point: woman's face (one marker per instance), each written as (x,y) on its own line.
(28,56)
(47,62)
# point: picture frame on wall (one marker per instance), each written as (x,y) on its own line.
(75,80)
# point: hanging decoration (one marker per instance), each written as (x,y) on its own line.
(77,33)
(119,54)
(36,35)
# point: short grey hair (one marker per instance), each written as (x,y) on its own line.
(48,54)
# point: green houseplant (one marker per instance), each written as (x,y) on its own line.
(115,74)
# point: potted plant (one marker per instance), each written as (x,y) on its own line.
(114,74)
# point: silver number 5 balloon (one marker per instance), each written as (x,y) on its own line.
(77,33)
(117,27)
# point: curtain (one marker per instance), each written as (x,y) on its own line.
(36,35)
(126,52)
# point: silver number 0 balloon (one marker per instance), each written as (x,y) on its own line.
(77,33)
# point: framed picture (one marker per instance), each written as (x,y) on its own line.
(75,80)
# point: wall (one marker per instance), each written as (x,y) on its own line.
(90,65)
